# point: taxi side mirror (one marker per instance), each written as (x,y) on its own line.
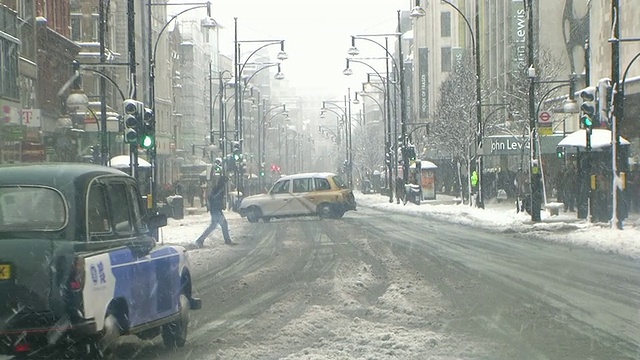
(157,220)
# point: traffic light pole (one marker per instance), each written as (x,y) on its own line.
(131,42)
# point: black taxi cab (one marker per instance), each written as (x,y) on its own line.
(78,264)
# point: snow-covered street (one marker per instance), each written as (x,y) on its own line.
(435,281)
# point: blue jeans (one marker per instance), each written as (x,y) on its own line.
(217,217)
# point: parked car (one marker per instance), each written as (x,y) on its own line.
(322,194)
(78,264)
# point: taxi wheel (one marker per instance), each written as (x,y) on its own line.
(324,211)
(99,346)
(253,214)
(174,334)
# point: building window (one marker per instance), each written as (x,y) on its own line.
(78,31)
(445,24)
(76,27)
(9,66)
(445,59)
(95,26)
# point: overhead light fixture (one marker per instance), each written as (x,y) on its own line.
(279,75)
(347,71)
(356,101)
(353,50)
(282,55)
(209,23)
(417,11)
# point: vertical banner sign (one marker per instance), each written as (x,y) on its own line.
(518,36)
(408,91)
(456,55)
(423,71)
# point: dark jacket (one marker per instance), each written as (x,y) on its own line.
(216,196)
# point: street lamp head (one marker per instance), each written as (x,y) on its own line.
(77,101)
(356,101)
(417,11)
(279,75)
(282,55)
(347,71)
(209,23)
(353,50)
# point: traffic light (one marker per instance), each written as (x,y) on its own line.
(589,107)
(411,152)
(133,120)
(604,100)
(560,152)
(387,158)
(262,170)
(237,155)
(147,133)
(217,166)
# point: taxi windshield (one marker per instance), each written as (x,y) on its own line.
(31,209)
(339,182)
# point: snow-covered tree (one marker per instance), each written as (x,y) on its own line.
(368,147)
(453,131)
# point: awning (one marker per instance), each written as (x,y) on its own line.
(600,138)
(424,164)
(122,161)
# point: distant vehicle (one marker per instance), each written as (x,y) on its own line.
(78,266)
(322,194)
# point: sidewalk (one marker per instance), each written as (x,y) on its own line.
(502,217)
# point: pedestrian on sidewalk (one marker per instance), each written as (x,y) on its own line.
(216,204)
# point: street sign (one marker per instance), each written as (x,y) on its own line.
(545,117)
(545,130)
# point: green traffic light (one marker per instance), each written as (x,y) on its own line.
(587,121)
(146,142)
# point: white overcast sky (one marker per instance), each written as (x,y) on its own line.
(316,34)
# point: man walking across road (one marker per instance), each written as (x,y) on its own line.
(216,204)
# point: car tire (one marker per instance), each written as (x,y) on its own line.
(253,214)
(98,347)
(174,334)
(324,211)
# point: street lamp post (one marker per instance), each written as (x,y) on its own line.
(341,120)
(262,133)
(535,181)
(152,49)
(238,69)
(346,112)
(353,51)
(403,106)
